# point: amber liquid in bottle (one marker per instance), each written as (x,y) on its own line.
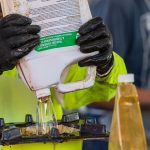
(127,131)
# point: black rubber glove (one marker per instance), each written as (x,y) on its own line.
(17,38)
(95,36)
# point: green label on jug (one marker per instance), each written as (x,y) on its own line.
(57,41)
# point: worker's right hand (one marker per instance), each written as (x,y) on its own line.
(96,37)
(17,38)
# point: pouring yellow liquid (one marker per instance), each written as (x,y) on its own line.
(127,131)
(46,116)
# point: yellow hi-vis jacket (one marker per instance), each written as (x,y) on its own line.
(16,100)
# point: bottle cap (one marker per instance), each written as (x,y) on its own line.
(126,78)
(43,93)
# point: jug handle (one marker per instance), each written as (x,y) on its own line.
(83,84)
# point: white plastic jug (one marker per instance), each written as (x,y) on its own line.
(60,21)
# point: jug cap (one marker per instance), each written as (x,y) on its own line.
(43,93)
(126,78)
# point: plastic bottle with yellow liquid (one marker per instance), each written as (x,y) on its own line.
(127,131)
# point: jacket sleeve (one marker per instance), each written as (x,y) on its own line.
(104,89)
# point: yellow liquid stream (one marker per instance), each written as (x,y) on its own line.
(127,131)
(46,116)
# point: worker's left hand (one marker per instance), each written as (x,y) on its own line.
(95,36)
